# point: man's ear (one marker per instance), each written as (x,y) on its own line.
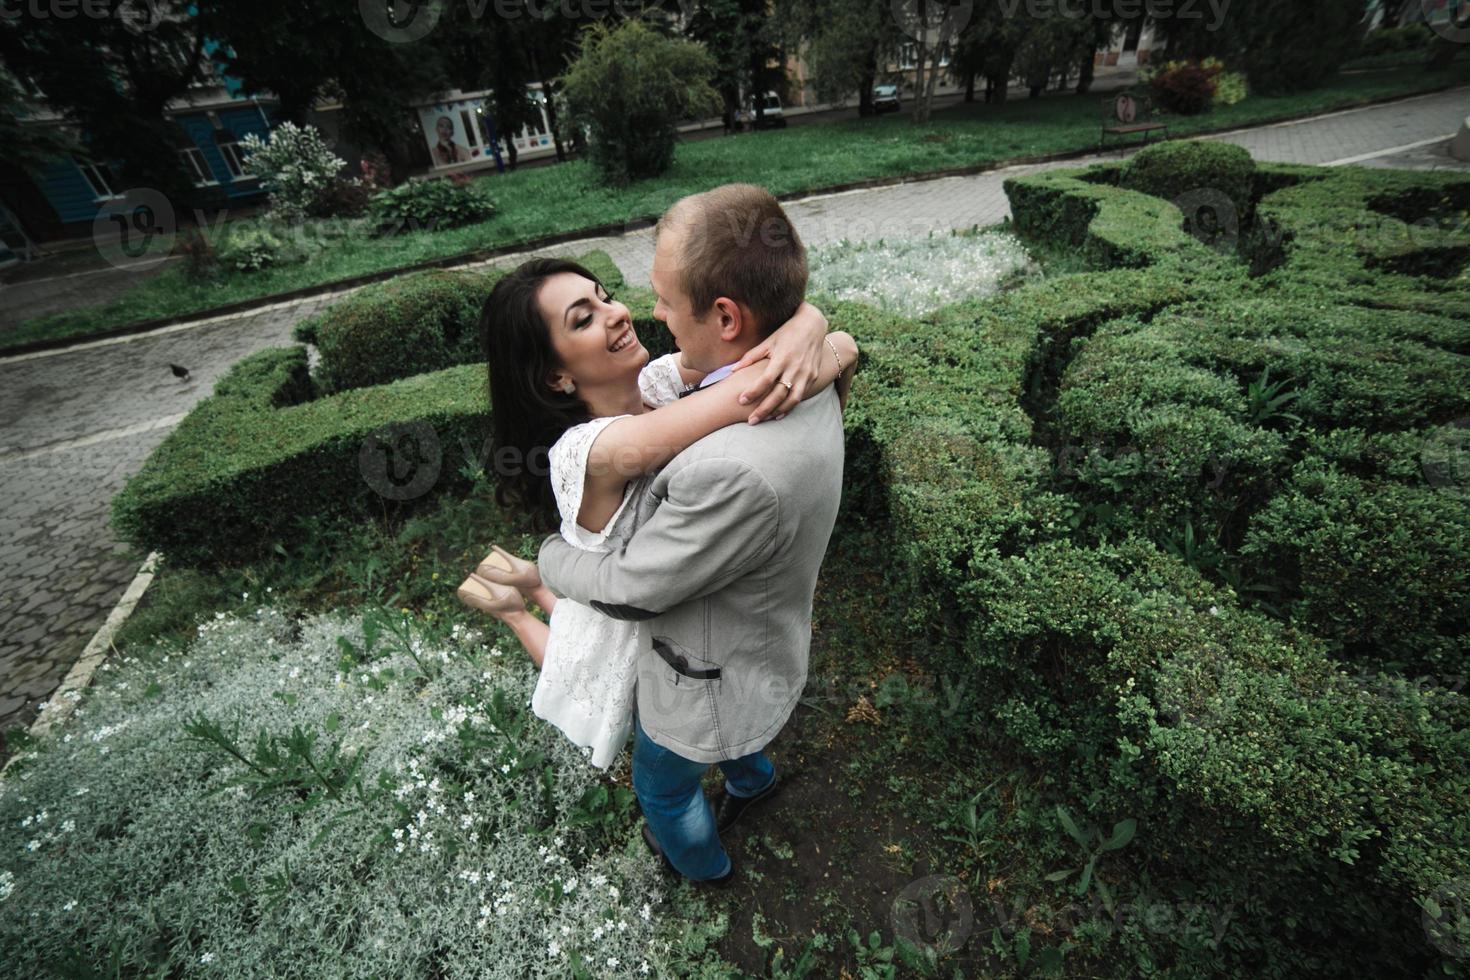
(733,318)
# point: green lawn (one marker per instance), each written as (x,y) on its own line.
(549,200)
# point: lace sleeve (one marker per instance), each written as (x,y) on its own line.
(660,380)
(568,479)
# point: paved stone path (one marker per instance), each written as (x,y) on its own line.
(80,421)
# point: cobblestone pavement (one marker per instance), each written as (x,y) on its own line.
(81,420)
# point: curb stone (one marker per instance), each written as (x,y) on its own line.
(58,706)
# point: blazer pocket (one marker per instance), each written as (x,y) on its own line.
(676,658)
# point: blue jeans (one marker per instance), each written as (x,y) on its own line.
(675,807)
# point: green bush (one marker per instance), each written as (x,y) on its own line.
(1260,775)
(630,87)
(270,446)
(231,480)
(1108,226)
(1186,89)
(1193,169)
(428,205)
(1381,568)
(420,322)
(409,325)
(250,248)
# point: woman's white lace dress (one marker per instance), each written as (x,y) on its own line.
(586,683)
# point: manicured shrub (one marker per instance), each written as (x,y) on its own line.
(230,481)
(426,205)
(1381,568)
(1110,228)
(630,87)
(409,325)
(421,322)
(1259,773)
(1192,172)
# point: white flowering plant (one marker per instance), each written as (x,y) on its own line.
(917,275)
(295,166)
(343,791)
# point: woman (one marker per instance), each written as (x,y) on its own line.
(567,371)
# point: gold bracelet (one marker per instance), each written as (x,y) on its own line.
(834,354)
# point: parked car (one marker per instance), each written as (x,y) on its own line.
(773,115)
(885,99)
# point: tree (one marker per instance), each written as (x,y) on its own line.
(736,34)
(1282,45)
(630,87)
(27,148)
(304,52)
(847,40)
(934,26)
(111,78)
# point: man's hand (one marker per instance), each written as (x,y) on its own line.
(795,352)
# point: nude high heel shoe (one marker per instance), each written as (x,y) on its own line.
(504,568)
(491,597)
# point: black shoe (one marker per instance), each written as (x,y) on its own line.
(729,808)
(668,865)
(657,851)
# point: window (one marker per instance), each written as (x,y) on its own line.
(235,161)
(196,166)
(469,127)
(909,56)
(99,178)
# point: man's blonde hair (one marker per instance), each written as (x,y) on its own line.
(739,243)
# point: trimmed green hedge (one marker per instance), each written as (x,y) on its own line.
(396,329)
(271,446)
(1379,567)
(1251,757)
(1197,172)
(421,322)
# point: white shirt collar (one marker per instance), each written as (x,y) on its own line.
(718,374)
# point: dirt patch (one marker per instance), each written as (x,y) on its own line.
(830,852)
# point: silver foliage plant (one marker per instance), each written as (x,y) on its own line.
(912,276)
(121,832)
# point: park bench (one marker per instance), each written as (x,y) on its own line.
(1125,115)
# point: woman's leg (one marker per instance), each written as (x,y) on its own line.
(542,596)
(531,631)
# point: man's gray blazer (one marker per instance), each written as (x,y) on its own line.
(722,572)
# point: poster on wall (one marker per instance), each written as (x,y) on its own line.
(457,131)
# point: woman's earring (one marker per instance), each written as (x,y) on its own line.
(568,387)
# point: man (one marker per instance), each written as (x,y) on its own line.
(724,564)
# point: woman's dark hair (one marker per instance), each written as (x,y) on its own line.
(526,414)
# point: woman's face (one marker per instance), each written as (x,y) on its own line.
(591,332)
(445,126)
